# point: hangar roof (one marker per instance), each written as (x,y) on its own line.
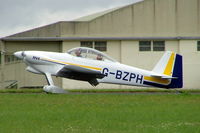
(146,19)
(96,38)
(95,15)
(99,14)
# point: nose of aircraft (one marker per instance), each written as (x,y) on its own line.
(19,54)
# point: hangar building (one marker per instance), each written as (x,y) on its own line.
(136,34)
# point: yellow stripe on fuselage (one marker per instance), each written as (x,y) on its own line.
(157,80)
(66,63)
(169,67)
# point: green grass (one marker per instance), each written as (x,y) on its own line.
(99,113)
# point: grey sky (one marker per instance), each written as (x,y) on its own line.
(20,15)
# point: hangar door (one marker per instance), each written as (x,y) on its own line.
(14,70)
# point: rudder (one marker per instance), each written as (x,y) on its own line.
(177,72)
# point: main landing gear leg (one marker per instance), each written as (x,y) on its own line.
(51,88)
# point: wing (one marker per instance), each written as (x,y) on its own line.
(81,73)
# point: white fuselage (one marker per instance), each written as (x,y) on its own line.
(115,73)
(87,64)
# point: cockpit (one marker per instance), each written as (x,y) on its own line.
(90,53)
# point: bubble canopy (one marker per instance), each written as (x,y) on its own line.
(89,53)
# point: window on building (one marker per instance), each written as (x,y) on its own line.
(144,45)
(158,45)
(88,44)
(7,58)
(100,45)
(10,58)
(198,45)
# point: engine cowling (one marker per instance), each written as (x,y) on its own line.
(53,89)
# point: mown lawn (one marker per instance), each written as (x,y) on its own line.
(99,113)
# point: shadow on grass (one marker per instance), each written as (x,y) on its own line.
(151,90)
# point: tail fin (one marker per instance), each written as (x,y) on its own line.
(170,67)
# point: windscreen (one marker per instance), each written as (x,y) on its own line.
(89,53)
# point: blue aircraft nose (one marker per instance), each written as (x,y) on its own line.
(19,54)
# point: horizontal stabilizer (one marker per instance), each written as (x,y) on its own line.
(162,76)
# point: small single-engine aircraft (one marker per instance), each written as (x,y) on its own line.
(90,65)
